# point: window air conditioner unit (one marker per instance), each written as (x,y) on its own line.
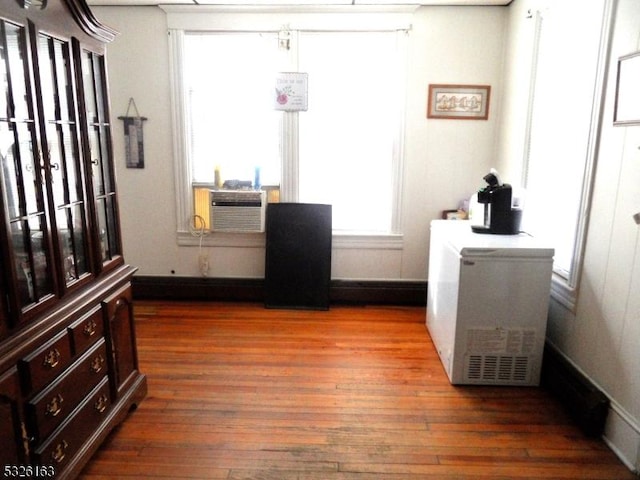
(237,210)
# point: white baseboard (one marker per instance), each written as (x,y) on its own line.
(622,436)
(621,431)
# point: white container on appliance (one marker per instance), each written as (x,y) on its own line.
(487,305)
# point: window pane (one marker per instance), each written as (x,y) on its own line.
(229,80)
(107,227)
(561,128)
(347,135)
(16,57)
(31,263)
(72,241)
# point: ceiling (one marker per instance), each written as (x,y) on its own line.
(297,2)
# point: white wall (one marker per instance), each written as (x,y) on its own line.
(138,68)
(602,336)
(444,162)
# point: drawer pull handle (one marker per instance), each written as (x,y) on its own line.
(60,451)
(101,403)
(89,329)
(54,407)
(52,358)
(97,364)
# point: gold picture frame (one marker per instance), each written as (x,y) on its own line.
(459,102)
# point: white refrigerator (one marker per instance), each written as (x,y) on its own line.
(487,304)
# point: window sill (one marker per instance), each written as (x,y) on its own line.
(341,240)
(391,241)
(562,292)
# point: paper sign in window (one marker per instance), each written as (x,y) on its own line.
(291,92)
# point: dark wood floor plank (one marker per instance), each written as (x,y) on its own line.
(240,392)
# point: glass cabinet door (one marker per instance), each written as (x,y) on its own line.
(65,172)
(4,309)
(28,254)
(102,174)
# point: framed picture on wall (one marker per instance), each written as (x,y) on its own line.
(460,102)
(627,106)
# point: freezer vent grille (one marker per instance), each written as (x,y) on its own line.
(498,368)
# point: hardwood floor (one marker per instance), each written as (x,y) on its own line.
(355,393)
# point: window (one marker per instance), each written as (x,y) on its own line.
(564,121)
(347,136)
(232,125)
(345,150)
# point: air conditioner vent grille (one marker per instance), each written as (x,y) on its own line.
(237,198)
(237,210)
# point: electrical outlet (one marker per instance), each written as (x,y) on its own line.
(203,265)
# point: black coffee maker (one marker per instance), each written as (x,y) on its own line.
(499,215)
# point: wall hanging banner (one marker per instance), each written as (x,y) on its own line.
(133,139)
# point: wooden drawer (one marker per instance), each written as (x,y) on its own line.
(46,363)
(87,330)
(49,408)
(71,435)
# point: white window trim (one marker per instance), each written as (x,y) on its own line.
(565,285)
(208,18)
(255,18)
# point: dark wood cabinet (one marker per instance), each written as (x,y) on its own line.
(119,311)
(68,360)
(12,451)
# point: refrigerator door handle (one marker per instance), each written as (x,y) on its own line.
(479,251)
